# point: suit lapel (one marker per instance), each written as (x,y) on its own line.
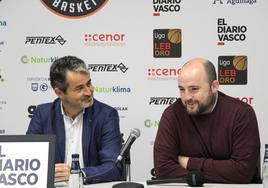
(60,131)
(86,135)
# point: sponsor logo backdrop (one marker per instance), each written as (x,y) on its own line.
(134,50)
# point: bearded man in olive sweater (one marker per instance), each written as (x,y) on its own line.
(208,131)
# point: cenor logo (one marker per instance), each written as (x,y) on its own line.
(74,8)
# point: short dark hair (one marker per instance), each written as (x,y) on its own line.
(210,70)
(60,66)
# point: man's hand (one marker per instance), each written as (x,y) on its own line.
(62,172)
(183,160)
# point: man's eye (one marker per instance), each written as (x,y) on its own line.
(79,88)
(194,89)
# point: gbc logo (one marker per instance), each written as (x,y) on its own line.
(31,110)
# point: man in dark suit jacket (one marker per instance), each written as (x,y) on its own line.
(81,124)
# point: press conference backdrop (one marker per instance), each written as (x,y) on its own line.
(134,50)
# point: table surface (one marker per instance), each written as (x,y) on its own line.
(170,185)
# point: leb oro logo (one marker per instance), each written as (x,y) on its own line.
(232,70)
(74,8)
(167,43)
(240,63)
(174,36)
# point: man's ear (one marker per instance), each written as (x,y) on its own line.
(215,86)
(58,92)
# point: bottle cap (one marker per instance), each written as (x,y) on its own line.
(76,155)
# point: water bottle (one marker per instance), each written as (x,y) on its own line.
(265,168)
(76,178)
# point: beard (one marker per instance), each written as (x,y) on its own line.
(87,101)
(201,108)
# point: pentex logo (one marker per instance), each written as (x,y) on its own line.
(232,70)
(104,39)
(163,73)
(74,8)
(234,2)
(162,100)
(107,67)
(167,43)
(166,6)
(230,33)
(37,60)
(45,40)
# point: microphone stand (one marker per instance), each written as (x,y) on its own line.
(127,166)
(128,183)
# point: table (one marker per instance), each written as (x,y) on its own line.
(170,185)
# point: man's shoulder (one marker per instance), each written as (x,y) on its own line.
(45,105)
(99,104)
(100,107)
(45,108)
(175,107)
(235,103)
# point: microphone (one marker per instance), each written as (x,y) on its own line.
(134,133)
(193,179)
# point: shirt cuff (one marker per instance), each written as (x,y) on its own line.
(84,175)
(195,163)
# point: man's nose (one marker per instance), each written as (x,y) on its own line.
(88,90)
(188,95)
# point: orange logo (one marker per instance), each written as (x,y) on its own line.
(74,9)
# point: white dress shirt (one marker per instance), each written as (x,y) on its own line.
(73,137)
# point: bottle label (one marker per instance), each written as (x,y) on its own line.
(75,159)
(73,181)
(75,171)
